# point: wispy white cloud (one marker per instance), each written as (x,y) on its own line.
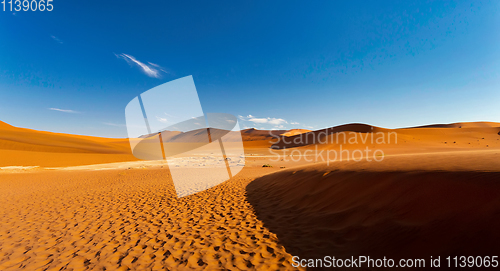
(56,39)
(158,67)
(258,120)
(271,123)
(162,120)
(114,124)
(150,69)
(64,110)
(274,121)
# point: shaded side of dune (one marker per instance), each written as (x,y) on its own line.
(396,214)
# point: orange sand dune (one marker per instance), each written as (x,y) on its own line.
(315,137)
(31,140)
(295,132)
(356,136)
(254,134)
(408,206)
(25,147)
(477,124)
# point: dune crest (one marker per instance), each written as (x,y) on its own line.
(477,124)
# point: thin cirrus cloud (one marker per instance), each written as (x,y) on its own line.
(114,124)
(56,39)
(162,120)
(150,69)
(64,110)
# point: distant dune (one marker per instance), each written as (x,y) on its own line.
(309,138)
(26,147)
(200,135)
(470,135)
(254,134)
(479,124)
(295,132)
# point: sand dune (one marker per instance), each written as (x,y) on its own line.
(254,134)
(478,124)
(396,140)
(314,137)
(31,140)
(293,132)
(26,147)
(77,202)
(412,206)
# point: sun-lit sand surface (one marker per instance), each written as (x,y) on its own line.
(84,203)
(130,219)
(25,147)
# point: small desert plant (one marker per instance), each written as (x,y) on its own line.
(267,165)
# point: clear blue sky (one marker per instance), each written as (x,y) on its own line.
(318,64)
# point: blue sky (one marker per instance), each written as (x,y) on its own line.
(277,64)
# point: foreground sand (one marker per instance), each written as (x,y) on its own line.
(405,206)
(121,219)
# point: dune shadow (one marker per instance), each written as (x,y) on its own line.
(398,215)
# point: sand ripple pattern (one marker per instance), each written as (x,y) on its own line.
(129,220)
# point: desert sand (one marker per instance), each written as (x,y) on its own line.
(408,206)
(26,147)
(85,203)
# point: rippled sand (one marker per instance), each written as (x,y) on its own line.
(130,219)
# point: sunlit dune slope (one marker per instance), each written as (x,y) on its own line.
(293,132)
(12,138)
(478,124)
(20,146)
